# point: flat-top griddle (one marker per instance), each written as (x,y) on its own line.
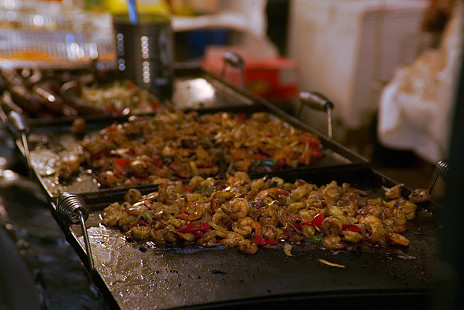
(143,276)
(223,97)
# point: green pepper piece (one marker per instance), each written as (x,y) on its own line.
(145,217)
(316,239)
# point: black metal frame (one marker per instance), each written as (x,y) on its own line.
(449,264)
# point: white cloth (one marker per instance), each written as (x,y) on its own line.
(416,106)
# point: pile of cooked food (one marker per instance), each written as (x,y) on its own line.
(180,145)
(39,93)
(121,98)
(250,213)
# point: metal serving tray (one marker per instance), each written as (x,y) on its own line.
(225,98)
(142,276)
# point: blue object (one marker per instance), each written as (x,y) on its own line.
(132,10)
(199,40)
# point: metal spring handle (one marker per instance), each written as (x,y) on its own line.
(236,61)
(441,170)
(19,125)
(317,102)
(72,210)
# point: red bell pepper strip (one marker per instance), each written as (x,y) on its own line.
(351,227)
(318,219)
(240,117)
(119,166)
(110,128)
(196,230)
(264,240)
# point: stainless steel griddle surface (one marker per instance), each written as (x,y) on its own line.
(142,276)
(59,141)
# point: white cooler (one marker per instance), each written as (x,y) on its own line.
(348,49)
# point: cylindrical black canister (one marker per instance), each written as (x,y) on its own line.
(145,51)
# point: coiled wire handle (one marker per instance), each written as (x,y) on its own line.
(317,102)
(236,61)
(19,126)
(441,170)
(72,210)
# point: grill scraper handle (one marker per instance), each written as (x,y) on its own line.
(19,126)
(441,170)
(236,61)
(317,102)
(72,210)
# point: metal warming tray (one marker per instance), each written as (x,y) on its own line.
(142,276)
(222,97)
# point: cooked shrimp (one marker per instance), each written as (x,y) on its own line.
(374,207)
(247,246)
(222,197)
(302,191)
(139,232)
(208,239)
(419,195)
(238,179)
(408,208)
(269,231)
(308,231)
(229,238)
(195,181)
(176,222)
(334,211)
(352,236)
(257,184)
(222,219)
(296,206)
(268,216)
(195,208)
(332,226)
(372,222)
(274,193)
(398,239)
(332,243)
(235,213)
(394,192)
(378,235)
(69,166)
(132,195)
(307,214)
(113,213)
(246,226)
(237,208)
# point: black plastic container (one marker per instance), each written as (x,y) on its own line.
(145,51)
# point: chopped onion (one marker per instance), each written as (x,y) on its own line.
(330,264)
